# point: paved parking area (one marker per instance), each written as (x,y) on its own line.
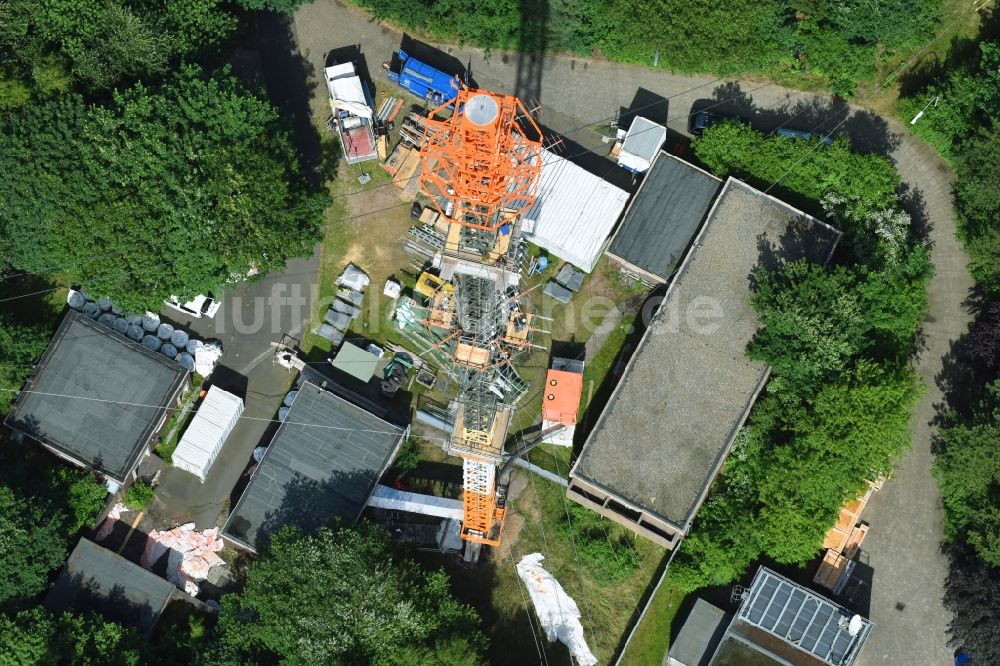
(253,315)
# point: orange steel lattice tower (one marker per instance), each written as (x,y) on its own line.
(481,168)
(484,160)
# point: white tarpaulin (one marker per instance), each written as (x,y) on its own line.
(573,213)
(353,277)
(555,609)
(206,355)
(346,92)
(207,432)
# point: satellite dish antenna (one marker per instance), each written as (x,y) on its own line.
(857,622)
(481,109)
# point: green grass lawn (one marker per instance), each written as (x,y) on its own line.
(167,445)
(653,635)
(606,605)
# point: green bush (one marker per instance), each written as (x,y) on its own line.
(836,43)
(803,174)
(603,546)
(836,411)
(139,495)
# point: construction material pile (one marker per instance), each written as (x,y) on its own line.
(190,554)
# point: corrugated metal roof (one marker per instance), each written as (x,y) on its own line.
(643,141)
(207,432)
(803,619)
(664,215)
(323,462)
(574,211)
(96,579)
(96,396)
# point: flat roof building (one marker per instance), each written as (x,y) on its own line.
(324,461)
(683,396)
(96,398)
(99,580)
(662,218)
(777,623)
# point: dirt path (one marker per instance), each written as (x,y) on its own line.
(906,530)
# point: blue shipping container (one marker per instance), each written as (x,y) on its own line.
(424,81)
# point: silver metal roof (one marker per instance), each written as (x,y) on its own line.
(803,619)
(644,138)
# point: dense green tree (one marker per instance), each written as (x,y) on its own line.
(725,538)
(837,44)
(43,504)
(340,597)
(812,323)
(20,346)
(815,321)
(854,430)
(792,468)
(48,44)
(958,100)
(174,190)
(37,636)
(968,473)
(32,544)
(865,183)
(978,194)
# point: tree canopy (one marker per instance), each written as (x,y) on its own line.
(36,636)
(836,44)
(20,346)
(340,597)
(803,175)
(961,103)
(836,410)
(168,190)
(42,506)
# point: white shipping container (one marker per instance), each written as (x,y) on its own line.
(206,434)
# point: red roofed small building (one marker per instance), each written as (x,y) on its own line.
(561,399)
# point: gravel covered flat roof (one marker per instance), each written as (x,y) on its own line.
(688,387)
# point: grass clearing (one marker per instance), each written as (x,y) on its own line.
(178,422)
(536,524)
(653,635)
(883,101)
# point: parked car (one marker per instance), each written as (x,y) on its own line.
(799,134)
(199,306)
(701,121)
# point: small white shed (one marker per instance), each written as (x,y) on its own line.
(641,144)
(207,432)
(573,213)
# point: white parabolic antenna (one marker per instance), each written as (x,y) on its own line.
(481,109)
(855,626)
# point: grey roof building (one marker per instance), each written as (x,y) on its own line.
(324,461)
(97,398)
(778,623)
(662,218)
(683,396)
(97,579)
